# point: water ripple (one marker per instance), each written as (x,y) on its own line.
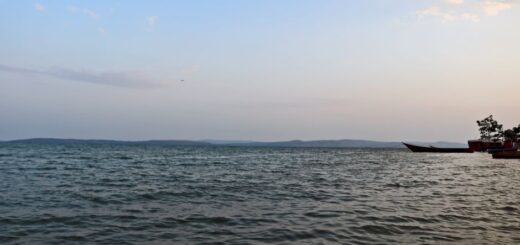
(126,194)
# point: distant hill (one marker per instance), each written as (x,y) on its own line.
(345,143)
(349,143)
(226,142)
(82,141)
(329,143)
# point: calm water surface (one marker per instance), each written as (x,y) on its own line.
(124,194)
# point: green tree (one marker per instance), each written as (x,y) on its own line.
(490,129)
(510,134)
(516,130)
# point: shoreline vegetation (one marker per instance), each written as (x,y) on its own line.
(492,131)
(344,143)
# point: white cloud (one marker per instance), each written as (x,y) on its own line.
(87,12)
(90,13)
(445,16)
(431,11)
(133,79)
(469,17)
(39,7)
(150,22)
(73,9)
(102,30)
(493,8)
(455,2)
(461,10)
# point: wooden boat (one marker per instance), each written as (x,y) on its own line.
(496,150)
(507,155)
(416,148)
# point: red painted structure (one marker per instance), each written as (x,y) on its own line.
(507,155)
(479,145)
(508,144)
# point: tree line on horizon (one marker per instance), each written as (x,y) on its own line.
(491,130)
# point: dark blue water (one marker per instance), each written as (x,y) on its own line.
(124,194)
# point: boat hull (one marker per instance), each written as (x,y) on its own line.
(507,155)
(416,148)
(479,145)
(496,150)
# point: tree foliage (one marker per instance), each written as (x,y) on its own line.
(490,129)
(510,134)
(516,131)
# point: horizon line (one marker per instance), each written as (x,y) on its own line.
(234,140)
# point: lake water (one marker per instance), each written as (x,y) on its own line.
(128,194)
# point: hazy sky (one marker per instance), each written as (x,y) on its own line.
(258,70)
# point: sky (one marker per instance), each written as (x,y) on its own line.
(267,70)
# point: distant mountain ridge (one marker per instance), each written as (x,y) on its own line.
(94,141)
(344,143)
(347,143)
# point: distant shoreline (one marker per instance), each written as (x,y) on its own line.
(344,143)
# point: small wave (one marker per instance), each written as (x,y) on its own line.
(446,238)
(509,209)
(219,163)
(41,220)
(159,195)
(8,238)
(324,214)
(380,230)
(124,158)
(211,220)
(422,220)
(85,158)
(274,235)
(98,199)
(397,185)
(455,217)
(72,238)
